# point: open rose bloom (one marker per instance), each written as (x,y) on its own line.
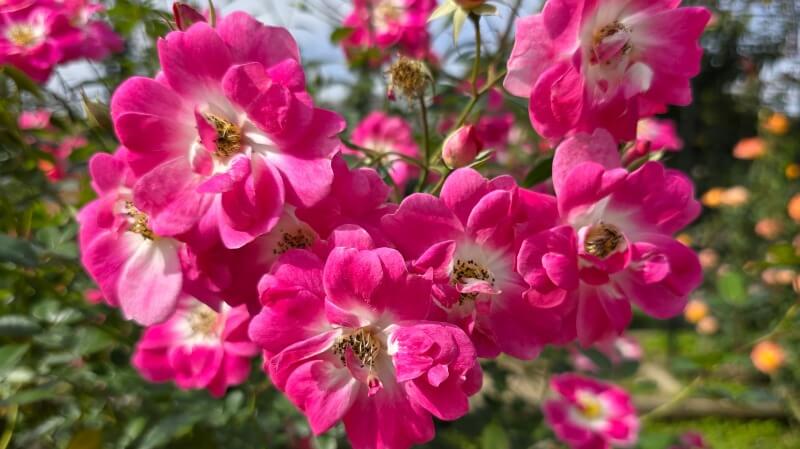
(197,347)
(615,246)
(590,64)
(227,135)
(588,414)
(347,340)
(37,35)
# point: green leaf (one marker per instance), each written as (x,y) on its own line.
(598,358)
(22,80)
(732,288)
(494,437)
(18,251)
(340,34)
(41,393)
(86,439)
(539,173)
(168,429)
(783,254)
(10,355)
(91,340)
(18,326)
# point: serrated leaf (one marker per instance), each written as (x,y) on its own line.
(18,326)
(541,172)
(340,34)
(18,251)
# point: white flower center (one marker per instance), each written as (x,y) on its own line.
(24,35)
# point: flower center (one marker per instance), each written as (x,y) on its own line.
(364,344)
(602,239)
(466,270)
(385,13)
(589,407)
(22,35)
(610,42)
(293,240)
(203,321)
(139,221)
(229,136)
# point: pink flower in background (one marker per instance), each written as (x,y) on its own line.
(615,246)
(380,25)
(590,64)
(691,440)
(616,349)
(467,239)
(32,38)
(227,135)
(197,348)
(386,134)
(36,119)
(96,38)
(654,135)
(134,266)
(345,341)
(357,197)
(589,414)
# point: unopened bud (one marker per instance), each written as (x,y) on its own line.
(186,15)
(409,76)
(461,147)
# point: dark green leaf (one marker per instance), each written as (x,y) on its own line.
(731,286)
(18,326)
(539,173)
(17,251)
(22,80)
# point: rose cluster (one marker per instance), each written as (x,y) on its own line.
(229,223)
(38,35)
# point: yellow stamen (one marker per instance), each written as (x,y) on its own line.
(229,136)
(364,344)
(139,223)
(463,270)
(22,35)
(602,240)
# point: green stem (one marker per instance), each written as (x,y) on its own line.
(476,65)
(11,421)
(426,142)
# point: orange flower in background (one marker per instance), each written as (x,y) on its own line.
(713,198)
(769,228)
(684,238)
(708,326)
(777,124)
(735,196)
(695,311)
(792,172)
(708,258)
(749,149)
(794,208)
(768,357)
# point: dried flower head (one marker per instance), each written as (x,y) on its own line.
(409,76)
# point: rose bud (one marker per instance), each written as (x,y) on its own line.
(186,15)
(461,147)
